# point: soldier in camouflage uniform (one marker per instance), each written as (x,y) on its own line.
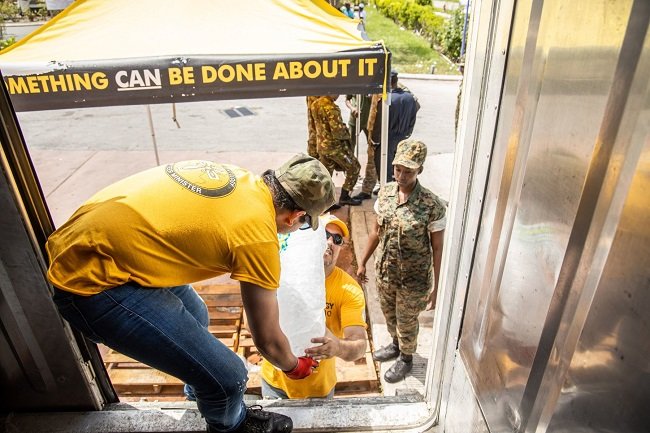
(311,130)
(409,233)
(370,176)
(333,144)
(359,111)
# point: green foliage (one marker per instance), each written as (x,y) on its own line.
(452,35)
(8,10)
(36,14)
(419,16)
(416,15)
(411,53)
(4,43)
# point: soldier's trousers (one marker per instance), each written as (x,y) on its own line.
(341,159)
(392,149)
(370,175)
(401,308)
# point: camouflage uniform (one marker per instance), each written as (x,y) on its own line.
(404,260)
(370,175)
(311,130)
(363,110)
(333,140)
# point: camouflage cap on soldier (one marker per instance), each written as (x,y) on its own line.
(410,153)
(309,184)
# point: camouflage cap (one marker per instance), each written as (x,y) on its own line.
(410,153)
(309,184)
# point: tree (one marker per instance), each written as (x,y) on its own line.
(451,37)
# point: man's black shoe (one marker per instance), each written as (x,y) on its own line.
(386,353)
(375,191)
(261,421)
(346,199)
(398,371)
(349,201)
(362,196)
(333,207)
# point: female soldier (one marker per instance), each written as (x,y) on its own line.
(409,233)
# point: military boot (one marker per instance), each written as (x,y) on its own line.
(400,369)
(346,199)
(362,196)
(386,353)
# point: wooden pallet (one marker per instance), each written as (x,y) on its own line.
(133,380)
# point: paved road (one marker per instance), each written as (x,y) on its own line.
(78,151)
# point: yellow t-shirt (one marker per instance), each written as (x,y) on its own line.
(344,306)
(168,226)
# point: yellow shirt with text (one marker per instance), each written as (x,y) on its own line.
(344,306)
(167,226)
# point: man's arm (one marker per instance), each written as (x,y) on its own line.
(413,117)
(337,127)
(354,112)
(349,348)
(261,306)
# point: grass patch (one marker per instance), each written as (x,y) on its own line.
(411,53)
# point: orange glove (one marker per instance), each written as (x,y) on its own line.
(302,369)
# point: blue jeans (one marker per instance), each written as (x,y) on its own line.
(166,328)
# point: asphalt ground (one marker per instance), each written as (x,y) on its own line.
(76,152)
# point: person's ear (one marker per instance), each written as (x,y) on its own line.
(294,215)
(421,169)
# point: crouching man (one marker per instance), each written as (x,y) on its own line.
(346,327)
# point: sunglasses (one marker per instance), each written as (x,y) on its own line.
(336,238)
(307,224)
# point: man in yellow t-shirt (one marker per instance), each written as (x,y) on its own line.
(346,327)
(122,265)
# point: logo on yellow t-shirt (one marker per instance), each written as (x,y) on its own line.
(205,178)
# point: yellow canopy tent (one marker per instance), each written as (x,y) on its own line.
(124,52)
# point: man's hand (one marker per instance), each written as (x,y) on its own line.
(303,369)
(329,348)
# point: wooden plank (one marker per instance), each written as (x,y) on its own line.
(216,289)
(356,371)
(362,222)
(223,300)
(223,329)
(224,313)
(139,376)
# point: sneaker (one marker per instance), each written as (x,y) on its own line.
(375,191)
(398,371)
(386,353)
(261,421)
(362,196)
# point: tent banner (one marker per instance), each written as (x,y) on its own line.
(157,80)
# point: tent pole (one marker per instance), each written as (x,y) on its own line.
(384,140)
(174,115)
(153,134)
